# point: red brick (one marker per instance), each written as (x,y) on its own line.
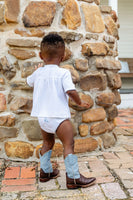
(18,182)
(27,172)
(113,191)
(12,172)
(18,188)
(108,155)
(107,179)
(124,156)
(125,127)
(119,121)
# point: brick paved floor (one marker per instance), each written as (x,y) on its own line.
(125,118)
(113,169)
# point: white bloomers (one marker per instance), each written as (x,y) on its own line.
(50,124)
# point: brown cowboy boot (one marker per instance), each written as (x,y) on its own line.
(81,182)
(44,177)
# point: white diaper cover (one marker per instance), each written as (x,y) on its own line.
(50,124)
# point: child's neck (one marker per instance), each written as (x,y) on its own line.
(54,62)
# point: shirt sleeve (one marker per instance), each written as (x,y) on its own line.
(31,79)
(67,82)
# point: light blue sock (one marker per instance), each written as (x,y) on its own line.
(71,164)
(45,163)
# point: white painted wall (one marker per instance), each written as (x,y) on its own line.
(126,101)
(125,14)
(113,4)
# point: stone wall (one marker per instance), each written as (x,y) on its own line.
(91,35)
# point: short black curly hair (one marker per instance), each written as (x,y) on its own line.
(52,45)
(53,40)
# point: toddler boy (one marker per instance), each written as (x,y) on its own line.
(52,86)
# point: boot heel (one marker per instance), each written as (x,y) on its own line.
(71,186)
(44,179)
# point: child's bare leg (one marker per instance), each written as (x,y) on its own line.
(46,171)
(73,178)
(48,141)
(65,134)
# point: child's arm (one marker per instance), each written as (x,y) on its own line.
(69,88)
(30,79)
(75,97)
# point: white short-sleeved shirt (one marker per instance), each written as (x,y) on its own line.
(49,95)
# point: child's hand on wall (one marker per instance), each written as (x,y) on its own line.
(84,104)
(38,66)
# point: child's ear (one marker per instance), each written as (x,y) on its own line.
(40,55)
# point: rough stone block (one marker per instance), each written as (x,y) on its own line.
(1,13)
(111,52)
(74,73)
(99,128)
(114,80)
(44,16)
(111,26)
(111,125)
(105,99)
(6,132)
(12,8)
(109,39)
(90,36)
(81,65)
(85,145)
(69,37)
(93,19)
(28,68)
(8,69)
(33,32)
(20,85)
(95,80)
(83,130)
(2,81)
(2,89)
(88,1)
(32,129)
(112,112)
(108,140)
(71,15)
(19,149)
(2,102)
(97,2)
(22,54)
(85,98)
(62,2)
(67,55)
(105,9)
(20,104)
(23,42)
(95,49)
(93,115)
(108,64)
(7,119)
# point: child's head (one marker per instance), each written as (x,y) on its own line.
(52,47)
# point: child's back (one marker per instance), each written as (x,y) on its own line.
(50,86)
